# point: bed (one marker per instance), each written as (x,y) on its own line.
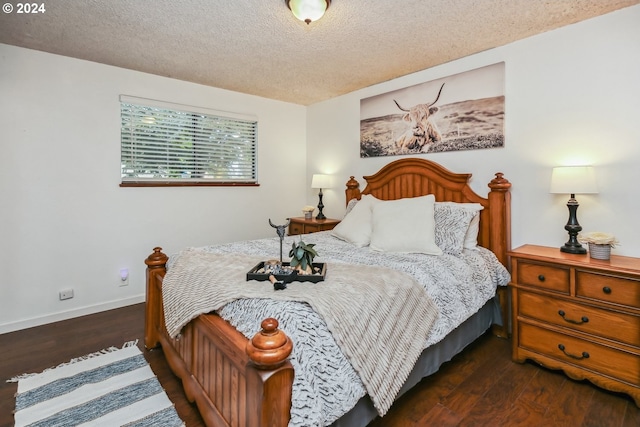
(236,381)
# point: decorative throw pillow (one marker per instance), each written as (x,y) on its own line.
(355,227)
(405,225)
(452,224)
(457,226)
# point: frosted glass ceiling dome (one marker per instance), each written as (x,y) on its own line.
(308,10)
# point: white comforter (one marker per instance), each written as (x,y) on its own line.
(326,385)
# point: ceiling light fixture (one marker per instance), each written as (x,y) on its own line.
(308,10)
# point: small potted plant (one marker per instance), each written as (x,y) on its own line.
(308,211)
(600,244)
(302,255)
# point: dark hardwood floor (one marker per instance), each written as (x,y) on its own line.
(480,387)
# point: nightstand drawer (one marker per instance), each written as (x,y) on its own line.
(615,326)
(618,290)
(575,351)
(312,228)
(543,276)
(296,228)
(299,225)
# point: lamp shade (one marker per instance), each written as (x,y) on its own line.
(573,180)
(308,10)
(320,181)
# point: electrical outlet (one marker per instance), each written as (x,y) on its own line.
(124,277)
(66,294)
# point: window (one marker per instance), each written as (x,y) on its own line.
(169,144)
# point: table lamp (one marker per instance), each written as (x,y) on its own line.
(320,181)
(573,180)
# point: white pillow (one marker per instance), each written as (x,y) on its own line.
(471,238)
(473,227)
(352,203)
(405,225)
(355,227)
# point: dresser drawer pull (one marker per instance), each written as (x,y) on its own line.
(541,277)
(584,319)
(606,290)
(584,354)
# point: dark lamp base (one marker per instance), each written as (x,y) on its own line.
(573,246)
(573,249)
(320,206)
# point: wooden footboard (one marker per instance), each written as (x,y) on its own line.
(235,382)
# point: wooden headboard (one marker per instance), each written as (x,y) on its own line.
(413,177)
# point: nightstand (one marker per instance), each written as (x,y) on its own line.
(300,225)
(578,314)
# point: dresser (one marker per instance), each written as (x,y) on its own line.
(578,314)
(300,225)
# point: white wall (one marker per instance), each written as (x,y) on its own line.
(572,97)
(65,222)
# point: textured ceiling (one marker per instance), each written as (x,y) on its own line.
(258,47)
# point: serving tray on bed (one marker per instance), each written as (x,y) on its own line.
(321,267)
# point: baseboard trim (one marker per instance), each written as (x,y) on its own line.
(69,314)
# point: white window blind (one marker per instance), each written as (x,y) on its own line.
(169,143)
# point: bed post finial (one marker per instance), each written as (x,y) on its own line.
(157,259)
(500,202)
(270,347)
(353,190)
(500,183)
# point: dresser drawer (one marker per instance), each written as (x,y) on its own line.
(618,290)
(575,351)
(544,276)
(615,326)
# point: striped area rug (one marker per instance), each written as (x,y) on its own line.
(114,387)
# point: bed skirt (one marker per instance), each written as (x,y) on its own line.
(430,360)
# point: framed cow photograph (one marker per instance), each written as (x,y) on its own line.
(460,112)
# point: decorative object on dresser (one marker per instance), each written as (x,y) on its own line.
(573,180)
(600,244)
(578,314)
(320,182)
(307,211)
(300,225)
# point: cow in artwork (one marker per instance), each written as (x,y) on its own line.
(422,132)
